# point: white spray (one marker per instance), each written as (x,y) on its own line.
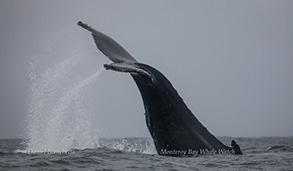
(57,120)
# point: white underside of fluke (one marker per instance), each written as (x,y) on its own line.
(126,67)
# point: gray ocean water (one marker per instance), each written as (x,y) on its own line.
(266,153)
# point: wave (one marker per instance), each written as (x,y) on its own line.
(280,148)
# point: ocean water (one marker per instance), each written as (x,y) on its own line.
(266,153)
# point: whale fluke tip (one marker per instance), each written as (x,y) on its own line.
(84,25)
(79,23)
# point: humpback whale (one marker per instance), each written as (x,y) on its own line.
(173,127)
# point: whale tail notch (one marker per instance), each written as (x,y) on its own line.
(108,46)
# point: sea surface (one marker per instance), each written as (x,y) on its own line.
(266,153)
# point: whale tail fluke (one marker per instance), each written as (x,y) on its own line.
(108,46)
(123,61)
(85,26)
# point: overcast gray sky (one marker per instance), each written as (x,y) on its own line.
(231,61)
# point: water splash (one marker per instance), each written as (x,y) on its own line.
(58,120)
(138,145)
